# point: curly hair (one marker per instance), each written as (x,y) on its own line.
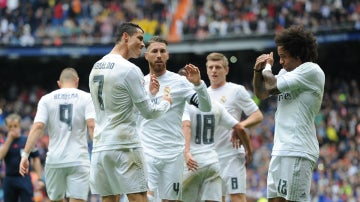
(298,43)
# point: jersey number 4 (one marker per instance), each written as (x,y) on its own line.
(66,111)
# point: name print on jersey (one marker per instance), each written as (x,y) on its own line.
(104,65)
(65,96)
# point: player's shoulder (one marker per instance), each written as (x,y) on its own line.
(178,78)
(81,91)
(174,78)
(172,75)
(312,68)
(115,58)
(66,91)
(229,88)
(234,85)
(114,62)
(83,94)
(50,95)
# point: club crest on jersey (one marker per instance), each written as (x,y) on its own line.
(223,99)
(167,90)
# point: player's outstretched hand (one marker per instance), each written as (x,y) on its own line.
(193,74)
(154,85)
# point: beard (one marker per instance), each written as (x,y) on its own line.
(157,67)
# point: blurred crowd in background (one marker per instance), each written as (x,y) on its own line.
(336,176)
(89,22)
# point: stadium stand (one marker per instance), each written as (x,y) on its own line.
(84,22)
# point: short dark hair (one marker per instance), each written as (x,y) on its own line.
(298,43)
(127,27)
(155,39)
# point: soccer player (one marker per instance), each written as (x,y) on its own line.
(236,100)
(202,180)
(299,87)
(16,187)
(162,137)
(117,90)
(68,115)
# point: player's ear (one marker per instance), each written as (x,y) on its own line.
(125,36)
(77,82)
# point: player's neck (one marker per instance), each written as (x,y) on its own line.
(158,74)
(217,85)
(68,84)
(120,50)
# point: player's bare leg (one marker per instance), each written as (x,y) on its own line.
(111,198)
(138,197)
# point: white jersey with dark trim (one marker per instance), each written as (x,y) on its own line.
(236,99)
(117,89)
(299,102)
(64,113)
(203,125)
(162,137)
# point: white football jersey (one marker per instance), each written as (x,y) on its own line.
(203,125)
(300,100)
(64,113)
(162,137)
(117,89)
(236,99)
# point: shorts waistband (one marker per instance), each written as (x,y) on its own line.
(128,149)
